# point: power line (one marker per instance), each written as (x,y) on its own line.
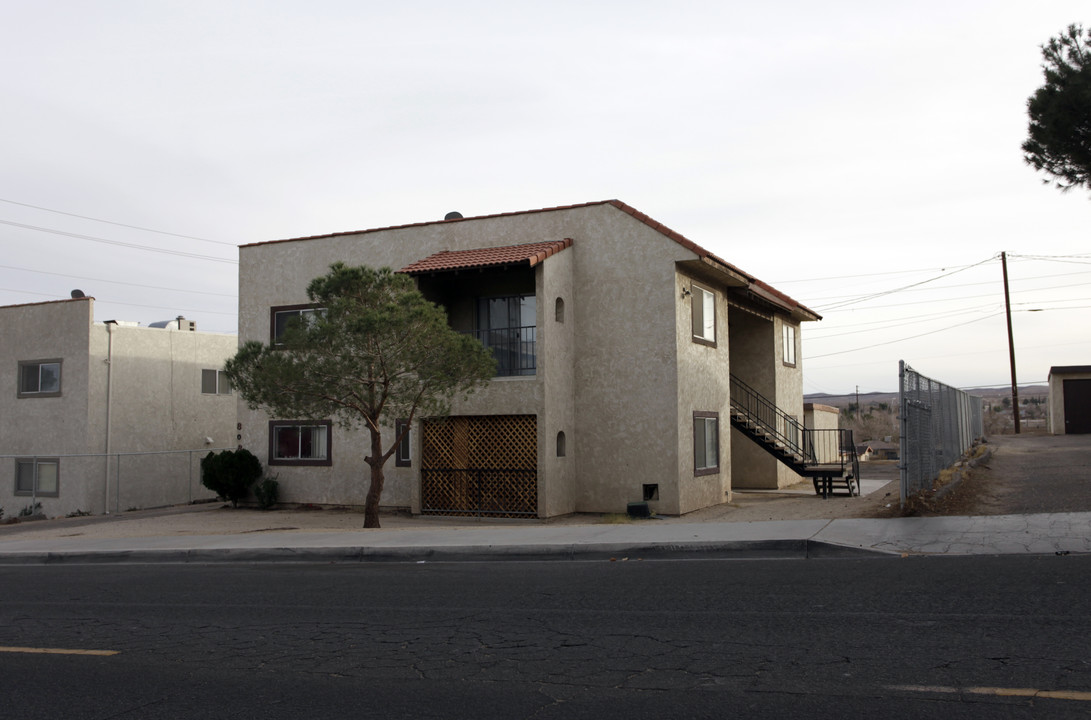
(865,298)
(119,282)
(178,253)
(111,222)
(911,337)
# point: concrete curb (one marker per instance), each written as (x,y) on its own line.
(741,550)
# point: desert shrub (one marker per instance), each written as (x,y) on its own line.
(230,473)
(266,492)
(31,510)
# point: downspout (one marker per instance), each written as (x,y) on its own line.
(109,396)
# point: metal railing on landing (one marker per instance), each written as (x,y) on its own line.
(808,451)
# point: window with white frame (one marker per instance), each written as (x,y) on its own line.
(299,442)
(403,455)
(789,344)
(215,382)
(39,378)
(704,315)
(706,443)
(38,477)
(283,317)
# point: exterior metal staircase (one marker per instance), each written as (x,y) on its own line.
(828,457)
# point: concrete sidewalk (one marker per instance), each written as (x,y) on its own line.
(1000,534)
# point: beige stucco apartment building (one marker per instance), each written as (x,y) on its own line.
(616,339)
(73,391)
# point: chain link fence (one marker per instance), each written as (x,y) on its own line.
(939,423)
(99,483)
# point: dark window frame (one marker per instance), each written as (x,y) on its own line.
(275,309)
(297,462)
(704,416)
(221,381)
(696,290)
(403,455)
(786,345)
(36,492)
(21,393)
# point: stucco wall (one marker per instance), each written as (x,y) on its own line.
(704,385)
(155,404)
(557,371)
(47,426)
(789,383)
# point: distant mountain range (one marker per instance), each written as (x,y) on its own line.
(991,393)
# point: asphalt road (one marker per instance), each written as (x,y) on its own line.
(889,637)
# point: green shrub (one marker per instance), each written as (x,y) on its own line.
(230,473)
(266,492)
(31,510)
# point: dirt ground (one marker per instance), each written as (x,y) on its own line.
(1028,473)
(1022,474)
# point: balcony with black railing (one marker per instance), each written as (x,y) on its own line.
(514,349)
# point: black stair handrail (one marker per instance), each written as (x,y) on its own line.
(759,412)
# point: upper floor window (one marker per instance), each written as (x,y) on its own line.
(508,326)
(789,345)
(215,382)
(704,315)
(285,316)
(39,378)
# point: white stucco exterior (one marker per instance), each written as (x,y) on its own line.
(618,371)
(124,390)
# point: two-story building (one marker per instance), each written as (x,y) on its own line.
(106,416)
(616,340)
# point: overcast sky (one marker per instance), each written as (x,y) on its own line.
(838,150)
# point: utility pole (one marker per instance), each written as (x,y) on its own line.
(1011,345)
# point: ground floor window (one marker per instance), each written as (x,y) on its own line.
(299,442)
(706,443)
(38,477)
(403,455)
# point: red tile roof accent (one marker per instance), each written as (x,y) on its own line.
(531,254)
(659,227)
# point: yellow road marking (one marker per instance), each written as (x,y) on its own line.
(56,651)
(1081,695)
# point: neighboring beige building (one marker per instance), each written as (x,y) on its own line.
(75,391)
(616,338)
(1070,399)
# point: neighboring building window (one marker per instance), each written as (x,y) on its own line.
(706,443)
(403,455)
(285,316)
(789,345)
(215,382)
(561,444)
(39,378)
(704,315)
(299,442)
(507,326)
(37,477)
(558,311)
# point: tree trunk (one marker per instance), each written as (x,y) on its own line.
(375,490)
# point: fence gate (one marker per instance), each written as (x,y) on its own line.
(480,465)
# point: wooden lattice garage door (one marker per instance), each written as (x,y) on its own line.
(484,465)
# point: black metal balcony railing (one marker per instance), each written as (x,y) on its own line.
(513,348)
